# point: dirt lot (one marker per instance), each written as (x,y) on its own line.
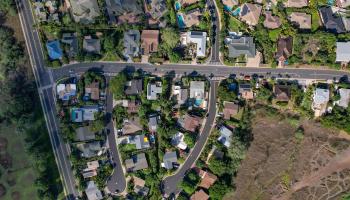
(279,166)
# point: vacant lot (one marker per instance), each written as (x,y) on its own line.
(17,173)
(293,159)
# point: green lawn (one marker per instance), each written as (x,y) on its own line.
(22,173)
(235,25)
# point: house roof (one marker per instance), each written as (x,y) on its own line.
(197,89)
(169,158)
(149,41)
(282,92)
(190,123)
(90,149)
(84,134)
(89,112)
(343,52)
(245,90)
(92,192)
(136,162)
(343,3)
(225,136)
(139,186)
(141,141)
(200,195)
(54,49)
(321,96)
(85,11)
(250,13)
(230,3)
(120,7)
(240,46)
(153,123)
(271,22)
(66,91)
(178,141)
(158,8)
(284,48)
(344,97)
(303,20)
(192,17)
(153,89)
(93,90)
(91,45)
(134,87)
(208,179)
(230,108)
(188,2)
(296,3)
(200,39)
(331,22)
(132,125)
(131,43)
(71,40)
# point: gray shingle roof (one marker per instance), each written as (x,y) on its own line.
(343,52)
(169,158)
(332,22)
(241,46)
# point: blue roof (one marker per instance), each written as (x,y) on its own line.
(54,49)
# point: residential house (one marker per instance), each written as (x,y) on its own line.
(238,46)
(301,20)
(178,141)
(197,90)
(91,45)
(129,18)
(282,93)
(90,149)
(149,41)
(344,97)
(250,13)
(91,169)
(246,91)
(71,40)
(188,2)
(199,39)
(180,94)
(228,4)
(92,192)
(320,101)
(131,44)
(343,3)
(200,195)
(133,106)
(296,3)
(157,8)
(225,137)
(51,6)
(54,50)
(116,8)
(190,123)
(192,17)
(153,123)
(208,179)
(136,162)
(284,50)
(40,11)
(86,113)
(65,92)
(92,91)
(84,11)
(230,109)
(343,52)
(131,126)
(84,134)
(141,141)
(139,186)
(271,22)
(169,160)
(153,90)
(134,87)
(331,21)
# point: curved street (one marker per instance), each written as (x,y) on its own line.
(169,184)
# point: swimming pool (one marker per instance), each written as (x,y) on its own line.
(236,12)
(180,21)
(177,6)
(198,102)
(228,9)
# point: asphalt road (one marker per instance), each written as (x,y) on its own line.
(169,184)
(47,97)
(116,183)
(217,70)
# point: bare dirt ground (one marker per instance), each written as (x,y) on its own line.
(279,166)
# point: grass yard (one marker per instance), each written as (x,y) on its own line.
(235,25)
(19,178)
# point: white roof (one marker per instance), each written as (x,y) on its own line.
(321,96)
(225,137)
(178,141)
(197,89)
(343,52)
(200,39)
(60,87)
(344,97)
